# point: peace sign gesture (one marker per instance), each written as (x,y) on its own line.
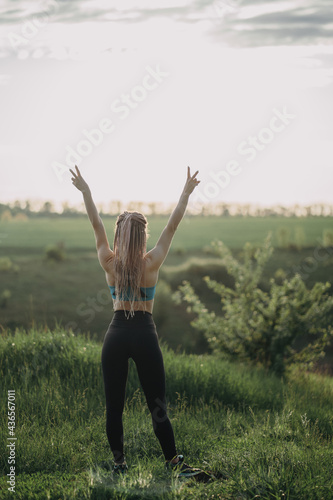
(79,181)
(191,182)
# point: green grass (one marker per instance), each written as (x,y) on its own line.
(74,292)
(193,233)
(262,436)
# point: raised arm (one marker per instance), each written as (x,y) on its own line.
(158,254)
(104,252)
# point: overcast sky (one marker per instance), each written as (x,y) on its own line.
(133,92)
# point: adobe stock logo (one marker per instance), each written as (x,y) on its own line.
(310,264)
(31,27)
(122,107)
(249,148)
(90,307)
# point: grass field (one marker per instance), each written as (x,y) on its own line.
(264,438)
(193,234)
(74,292)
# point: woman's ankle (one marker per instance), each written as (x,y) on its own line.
(120,462)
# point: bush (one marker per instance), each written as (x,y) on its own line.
(283,235)
(163,302)
(21,217)
(5,295)
(6,216)
(179,251)
(328,238)
(6,264)
(260,326)
(55,252)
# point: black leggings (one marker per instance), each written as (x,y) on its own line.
(134,338)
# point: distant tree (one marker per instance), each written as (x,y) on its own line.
(27,208)
(152,208)
(3,207)
(225,210)
(67,210)
(246,210)
(21,217)
(115,207)
(47,208)
(135,206)
(6,215)
(307,211)
(16,207)
(101,208)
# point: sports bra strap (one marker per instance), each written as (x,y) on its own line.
(147,293)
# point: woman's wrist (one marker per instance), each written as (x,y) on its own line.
(185,195)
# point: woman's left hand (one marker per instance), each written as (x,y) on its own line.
(191,182)
(79,181)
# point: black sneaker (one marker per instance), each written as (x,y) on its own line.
(182,469)
(120,469)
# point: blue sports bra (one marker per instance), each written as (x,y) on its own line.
(147,293)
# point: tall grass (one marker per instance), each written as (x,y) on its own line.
(262,436)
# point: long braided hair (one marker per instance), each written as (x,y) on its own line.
(129,247)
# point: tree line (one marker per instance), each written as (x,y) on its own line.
(26,209)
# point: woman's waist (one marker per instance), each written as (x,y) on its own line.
(132,316)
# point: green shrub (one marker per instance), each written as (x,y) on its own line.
(328,238)
(163,302)
(6,264)
(283,235)
(55,252)
(260,326)
(179,251)
(280,275)
(5,295)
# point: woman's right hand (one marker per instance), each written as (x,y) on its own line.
(191,182)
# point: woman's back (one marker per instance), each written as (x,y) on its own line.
(148,284)
(129,268)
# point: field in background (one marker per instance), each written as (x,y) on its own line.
(262,437)
(193,232)
(74,292)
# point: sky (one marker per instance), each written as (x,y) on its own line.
(134,92)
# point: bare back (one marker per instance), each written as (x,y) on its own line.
(150,277)
(155,257)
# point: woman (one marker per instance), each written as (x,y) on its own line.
(132,273)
